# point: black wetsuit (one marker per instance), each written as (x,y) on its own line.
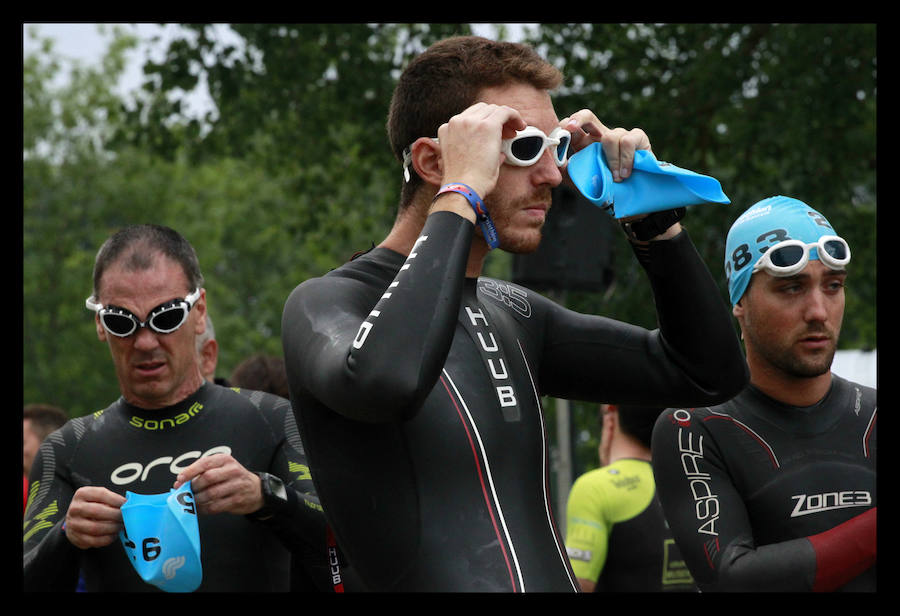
(417,392)
(125,448)
(762,496)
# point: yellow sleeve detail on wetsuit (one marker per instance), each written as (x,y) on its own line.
(302,470)
(598,500)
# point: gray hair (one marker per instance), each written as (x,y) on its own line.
(209,334)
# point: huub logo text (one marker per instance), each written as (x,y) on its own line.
(497,366)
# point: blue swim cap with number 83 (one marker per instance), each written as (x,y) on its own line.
(779,235)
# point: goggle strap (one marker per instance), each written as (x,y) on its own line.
(192,298)
(407,159)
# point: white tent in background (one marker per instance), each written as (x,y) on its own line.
(857,366)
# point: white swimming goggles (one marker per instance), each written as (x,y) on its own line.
(523,150)
(164,319)
(527,147)
(789,257)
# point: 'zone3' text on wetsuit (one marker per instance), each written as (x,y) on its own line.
(126,448)
(762,496)
(417,392)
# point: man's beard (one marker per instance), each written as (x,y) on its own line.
(793,363)
(522,239)
(801,367)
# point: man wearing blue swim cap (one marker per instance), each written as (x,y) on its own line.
(775,489)
(768,223)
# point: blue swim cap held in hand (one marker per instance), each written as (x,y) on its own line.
(763,225)
(162,538)
(653,185)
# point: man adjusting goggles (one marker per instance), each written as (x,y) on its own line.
(523,150)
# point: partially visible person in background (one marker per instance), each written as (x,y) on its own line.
(617,537)
(38,421)
(262,373)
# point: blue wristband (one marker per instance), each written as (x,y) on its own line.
(481,214)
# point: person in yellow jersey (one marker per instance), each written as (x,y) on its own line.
(617,537)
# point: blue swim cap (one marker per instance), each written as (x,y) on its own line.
(766,223)
(653,186)
(162,538)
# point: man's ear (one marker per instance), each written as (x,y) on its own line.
(738,310)
(426,160)
(209,356)
(611,417)
(101,332)
(200,309)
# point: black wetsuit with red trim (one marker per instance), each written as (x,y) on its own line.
(417,393)
(762,496)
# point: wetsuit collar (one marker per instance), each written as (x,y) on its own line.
(170,416)
(802,420)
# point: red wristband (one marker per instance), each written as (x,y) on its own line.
(481,214)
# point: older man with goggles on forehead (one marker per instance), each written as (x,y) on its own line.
(788,465)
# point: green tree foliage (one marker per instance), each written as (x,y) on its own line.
(66,194)
(291,172)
